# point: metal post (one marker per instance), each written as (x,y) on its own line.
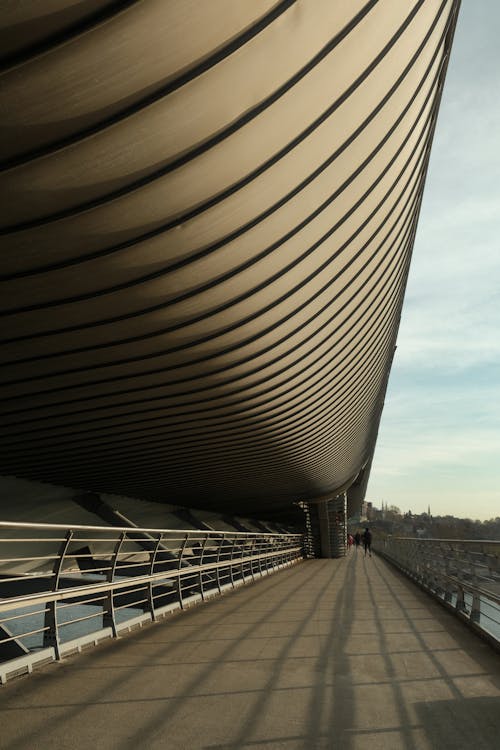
(460,605)
(202,552)
(217,569)
(109,615)
(231,563)
(179,584)
(242,566)
(260,561)
(154,553)
(254,542)
(448,593)
(51,636)
(475,614)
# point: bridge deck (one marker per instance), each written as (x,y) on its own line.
(330,653)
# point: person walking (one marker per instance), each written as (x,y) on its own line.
(367,541)
(357,539)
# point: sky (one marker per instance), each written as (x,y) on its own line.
(439,438)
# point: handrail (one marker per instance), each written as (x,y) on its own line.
(463,573)
(71,593)
(446,539)
(131,529)
(63,591)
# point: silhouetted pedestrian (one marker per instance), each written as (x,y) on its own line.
(367,541)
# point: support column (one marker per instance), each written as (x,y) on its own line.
(328,526)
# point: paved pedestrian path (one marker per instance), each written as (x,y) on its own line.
(327,654)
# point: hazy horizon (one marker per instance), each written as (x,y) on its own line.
(439,439)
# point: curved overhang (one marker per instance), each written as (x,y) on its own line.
(208,212)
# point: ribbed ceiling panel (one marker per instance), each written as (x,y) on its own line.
(208,212)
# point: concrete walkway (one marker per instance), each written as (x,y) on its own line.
(328,654)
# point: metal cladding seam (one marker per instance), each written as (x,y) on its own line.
(207,223)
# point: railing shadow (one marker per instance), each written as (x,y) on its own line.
(118,683)
(330,654)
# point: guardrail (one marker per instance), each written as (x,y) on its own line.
(463,574)
(62,588)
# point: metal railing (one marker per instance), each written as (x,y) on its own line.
(64,587)
(464,574)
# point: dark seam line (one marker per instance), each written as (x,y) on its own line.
(251,292)
(292,432)
(360,251)
(333,452)
(354,358)
(299,440)
(203,414)
(332,280)
(338,395)
(176,416)
(363,319)
(403,271)
(292,144)
(225,423)
(304,425)
(402,279)
(193,153)
(151,234)
(336,454)
(374,256)
(293,429)
(137,430)
(220,383)
(216,246)
(230,274)
(231,381)
(27,53)
(310,337)
(229,432)
(178,82)
(385,238)
(267,282)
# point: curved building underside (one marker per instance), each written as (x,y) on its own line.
(208,212)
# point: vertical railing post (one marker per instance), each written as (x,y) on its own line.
(460,605)
(475,613)
(179,583)
(274,559)
(202,552)
(242,566)
(290,555)
(279,559)
(268,559)
(448,592)
(220,542)
(109,614)
(231,574)
(51,635)
(285,551)
(151,597)
(252,549)
(259,551)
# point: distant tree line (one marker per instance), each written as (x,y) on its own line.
(449,527)
(393,521)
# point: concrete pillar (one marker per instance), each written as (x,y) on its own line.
(330,527)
